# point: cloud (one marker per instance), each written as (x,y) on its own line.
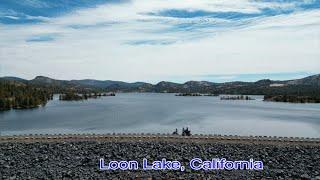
(230,15)
(151,40)
(96,25)
(41,38)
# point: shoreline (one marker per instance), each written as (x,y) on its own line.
(161,137)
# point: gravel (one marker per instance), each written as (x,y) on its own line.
(80,160)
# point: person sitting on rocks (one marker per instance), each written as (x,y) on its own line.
(175,132)
(186,132)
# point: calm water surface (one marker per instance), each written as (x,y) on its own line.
(162,113)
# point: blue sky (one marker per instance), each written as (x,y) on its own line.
(151,40)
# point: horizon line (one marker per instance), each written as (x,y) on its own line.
(172,81)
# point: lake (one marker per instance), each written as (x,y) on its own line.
(162,113)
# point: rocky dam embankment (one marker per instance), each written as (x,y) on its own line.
(78,158)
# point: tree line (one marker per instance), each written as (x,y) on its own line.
(292,99)
(14,95)
(18,95)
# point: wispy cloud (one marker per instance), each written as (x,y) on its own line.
(42,38)
(97,25)
(151,42)
(229,15)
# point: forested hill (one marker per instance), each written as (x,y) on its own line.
(308,86)
(17,95)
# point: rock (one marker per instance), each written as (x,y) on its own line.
(279,172)
(305,176)
(13,177)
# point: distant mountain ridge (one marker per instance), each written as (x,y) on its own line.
(106,83)
(310,80)
(310,84)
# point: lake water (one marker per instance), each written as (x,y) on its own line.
(162,113)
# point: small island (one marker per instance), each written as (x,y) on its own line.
(189,94)
(73,96)
(242,97)
(292,98)
(211,94)
(196,94)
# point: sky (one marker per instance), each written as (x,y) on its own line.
(155,40)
